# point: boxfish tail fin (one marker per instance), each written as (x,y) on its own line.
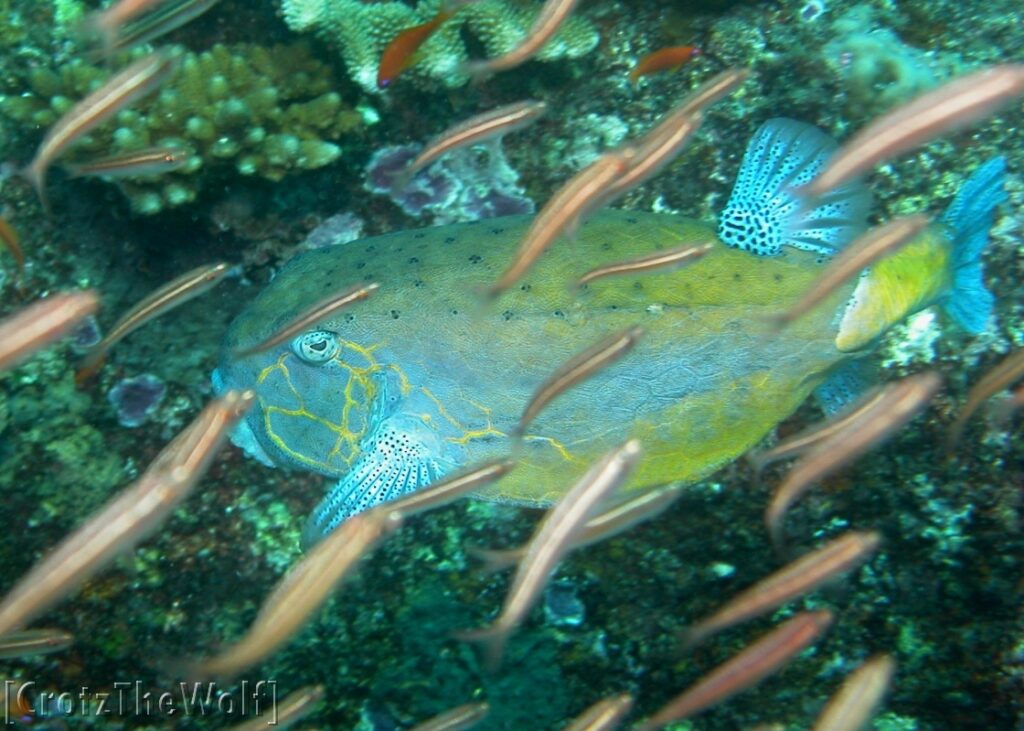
(968,220)
(766,210)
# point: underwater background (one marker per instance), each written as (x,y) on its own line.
(287,131)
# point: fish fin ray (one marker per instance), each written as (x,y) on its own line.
(398,458)
(968,220)
(765,212)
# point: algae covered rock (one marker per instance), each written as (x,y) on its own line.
(265,112)
(361,31)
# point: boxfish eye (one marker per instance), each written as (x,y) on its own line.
(316,346)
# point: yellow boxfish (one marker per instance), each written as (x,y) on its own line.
(426,376)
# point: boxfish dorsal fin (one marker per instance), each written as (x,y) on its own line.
(399,456)
(764,213)
(968,220)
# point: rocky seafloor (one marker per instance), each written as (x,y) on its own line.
(944,596)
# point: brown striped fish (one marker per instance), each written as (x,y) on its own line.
(487,126)
(550,18)
(1002,411)
(302,591)
(466,716)
(161,21)
(552,539)
(175,293)
(666,260)
(579,368)
(138,163)
(856,702)
(445,491)
(567,208)
(287,713)
(653,153)
(749,667)
(646,506)
(13,244)
(34,642)
(867,249)
(901,402)
(125,87)
(815,434)
(128,519)
(604,715)
(305,320)
(952,106)
(800,577)
(1003,375)
(44,322)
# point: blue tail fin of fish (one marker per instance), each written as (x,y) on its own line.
(765,212)
(968,220)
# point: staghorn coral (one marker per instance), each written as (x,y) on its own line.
(266,112)
(361,31)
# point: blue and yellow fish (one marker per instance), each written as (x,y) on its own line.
(424,378)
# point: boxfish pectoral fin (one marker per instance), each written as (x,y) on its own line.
(400,456)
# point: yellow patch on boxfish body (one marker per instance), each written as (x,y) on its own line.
(895,287)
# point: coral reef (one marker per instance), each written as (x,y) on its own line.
(135,399)
(362,31)
(465,185)
(264,112)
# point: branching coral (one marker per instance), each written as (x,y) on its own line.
(361,31)
(265,111)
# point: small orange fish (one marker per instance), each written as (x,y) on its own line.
(401,53)
(664,59)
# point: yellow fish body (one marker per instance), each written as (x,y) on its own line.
(425,377)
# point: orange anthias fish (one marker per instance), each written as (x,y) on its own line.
(661,60)
(401,53)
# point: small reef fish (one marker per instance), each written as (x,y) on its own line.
(34,642)
(604,715)
(954,105)
(302,591)
(815,434)
(835,558)
(287,713)
(550,18)
(480,128)
(550,542)
(42,323)
(899,403)
(579,368)
(856,702)
(402,51)
(608,524)
(106,22)
(664,59)
(749,667)
(129,518)
(652,153)
(450,488)
(10,238)
(850,262)
(584,192)
(463,717)
(138,163)
(424,379)
(175,293)
(156,24)
(668,260)
(322,310)
(123,88)
(1005,374)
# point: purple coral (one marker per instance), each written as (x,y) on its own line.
(136,398)
(465,185)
